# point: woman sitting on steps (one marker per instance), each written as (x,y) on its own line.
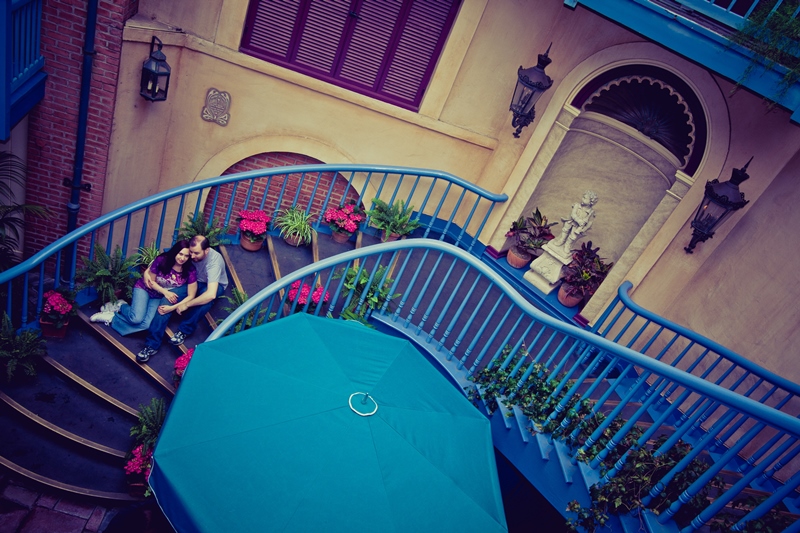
(170,279)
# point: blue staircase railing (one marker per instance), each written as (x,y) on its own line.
(466,317)
(447,206)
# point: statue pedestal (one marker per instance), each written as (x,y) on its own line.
(546,269)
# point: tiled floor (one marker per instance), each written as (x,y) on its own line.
(28,508)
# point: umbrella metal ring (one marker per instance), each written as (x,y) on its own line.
(363,402)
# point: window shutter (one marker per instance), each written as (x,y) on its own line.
(370,41)
(323,31)
(419,47)
(386,49)
(271,26)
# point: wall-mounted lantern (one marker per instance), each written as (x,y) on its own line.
(719,201)
(155,74)
(531,84)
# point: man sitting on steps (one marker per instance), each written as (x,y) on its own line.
(212,279)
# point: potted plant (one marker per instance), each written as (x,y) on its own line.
(181,364)
(198,226)
(582,276)
(111,275)
(145,433)
(529,234)
(300,292)
(253,227)
(13,171)
(145,256)
(394,220)
(343,221)
(19,350)
(57,308)
(294,225)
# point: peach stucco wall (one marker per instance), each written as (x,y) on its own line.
(463,127)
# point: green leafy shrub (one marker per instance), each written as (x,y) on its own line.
(19,350)
(109,274)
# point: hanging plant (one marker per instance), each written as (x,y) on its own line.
(774,39)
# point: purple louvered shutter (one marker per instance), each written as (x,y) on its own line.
(324,26)
(418,49)
(382,48)
(370,41)
(270,26)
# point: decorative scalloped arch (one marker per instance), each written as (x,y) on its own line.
(652,107)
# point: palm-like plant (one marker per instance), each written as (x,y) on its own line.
(12,221)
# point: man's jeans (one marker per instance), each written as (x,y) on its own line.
(191,317)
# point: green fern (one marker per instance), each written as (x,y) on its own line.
(198,226)
(151,418)
(394,218)
(19,350)
(109,273)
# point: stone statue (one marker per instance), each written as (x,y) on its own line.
(578,223)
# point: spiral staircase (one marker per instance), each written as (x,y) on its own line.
(68,427)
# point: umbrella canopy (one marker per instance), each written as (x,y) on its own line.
(272,430)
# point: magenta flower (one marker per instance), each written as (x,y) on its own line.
(253,224)
(345,218)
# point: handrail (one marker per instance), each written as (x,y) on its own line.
(441,215)
(480,321)
(724,396)
(629,324)
(624,296)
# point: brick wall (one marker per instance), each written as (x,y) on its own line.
(323,182)
(53,123)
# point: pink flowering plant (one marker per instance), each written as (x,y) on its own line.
(139,465)
(145,433)
(301,292)
(345,218)
(181,363)
(140,462)
(253,224)
(58,306)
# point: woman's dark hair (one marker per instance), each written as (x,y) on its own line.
(169,257)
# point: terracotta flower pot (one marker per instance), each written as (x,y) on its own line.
(245,243)
(341,237)
(390,237)
(518,260)
(565,299)
(293,240)
(50,330)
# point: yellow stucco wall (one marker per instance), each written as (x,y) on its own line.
(464,127)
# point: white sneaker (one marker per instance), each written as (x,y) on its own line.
(103,316)
(118,305)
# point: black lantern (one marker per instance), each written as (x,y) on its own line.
(531,84)
(720,200)
(155,74)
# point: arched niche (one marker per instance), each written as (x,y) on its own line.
(634,134)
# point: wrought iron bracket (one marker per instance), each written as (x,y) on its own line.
(83,186)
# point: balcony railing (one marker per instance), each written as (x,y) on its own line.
(700,30)
(448,208)
(21,61)
(467,318)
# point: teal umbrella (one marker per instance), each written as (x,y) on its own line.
(309,424)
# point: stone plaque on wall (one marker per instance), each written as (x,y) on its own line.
(217,105)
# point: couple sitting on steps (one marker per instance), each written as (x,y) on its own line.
(173,282)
